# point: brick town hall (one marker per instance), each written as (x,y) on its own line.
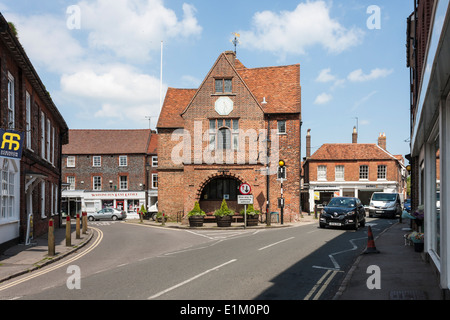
(233,129)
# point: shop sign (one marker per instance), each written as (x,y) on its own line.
(11,144)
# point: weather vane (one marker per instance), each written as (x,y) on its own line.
(235,41)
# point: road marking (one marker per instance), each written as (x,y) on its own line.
(274,244)
(190,280)
(333,260)
(57,266)
(322,285)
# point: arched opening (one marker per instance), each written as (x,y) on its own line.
(216,190)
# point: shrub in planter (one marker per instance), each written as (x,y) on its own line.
(196,216)
(252,216)
(223,215)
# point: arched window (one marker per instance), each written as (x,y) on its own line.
(224,139)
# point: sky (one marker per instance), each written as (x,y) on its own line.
(101,59)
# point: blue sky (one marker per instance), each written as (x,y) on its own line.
(100,59)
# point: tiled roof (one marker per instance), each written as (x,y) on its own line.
(153,145)
(279,86)
(99,142)
(174,104)
(351,151)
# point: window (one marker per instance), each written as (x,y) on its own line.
(43,215)
(42,135)
(224,139)
(364,173)
(282,127)
(381,175)
(219,189)
(155,161)
(47,141)
(96,161)
(123,161)
(71,181)
(322,173)
(123,183)
(28,119)
(223,86)
(154,181)
(97,183)
(70,162)
(7,191)
(11,102)
(340,173)
(227,137)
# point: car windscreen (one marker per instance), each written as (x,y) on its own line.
(384,197)
(342,202)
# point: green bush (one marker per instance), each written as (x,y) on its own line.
(196,211)
(223,211)
(250,211)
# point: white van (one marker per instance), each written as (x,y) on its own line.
(385,204)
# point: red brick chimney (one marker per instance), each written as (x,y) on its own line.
(355,136)
(382,141)
(308,144)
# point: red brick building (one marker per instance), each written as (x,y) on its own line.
(30,185)
(351,169)
(233,129)
(110,168)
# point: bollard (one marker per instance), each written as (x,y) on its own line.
(164,219)
(78,236)
(51,238)
(68,232)
(84,215)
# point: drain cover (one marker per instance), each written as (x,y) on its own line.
(407,295)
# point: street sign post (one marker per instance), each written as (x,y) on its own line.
(245,200)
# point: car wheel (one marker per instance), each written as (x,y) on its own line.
(356,226)
(322,225)
(154,217)
(91,218)
(114,218)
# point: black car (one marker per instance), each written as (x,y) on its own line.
(343,212)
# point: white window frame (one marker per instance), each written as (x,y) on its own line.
(340,173)
(123,161)
(282,127)
(42,135)
(11,102)
(71,180)
(155,161)
(71,162)
(97,186)
(361,172)
(48,140)
(154,181)
(28,120)
(382,172)
(94,162)
(43,214)
(123,182)
(322,173)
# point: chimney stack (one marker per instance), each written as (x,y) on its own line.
(382,141)
(355,135)
(308,144)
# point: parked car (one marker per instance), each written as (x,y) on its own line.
(343,212)
(108,214)
(385,204)
(407,205)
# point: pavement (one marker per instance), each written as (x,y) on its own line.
(403,273)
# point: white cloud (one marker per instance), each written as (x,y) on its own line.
(326,76)
(133,28)
(293,32)
(323,98)
(117,92)
(359,76)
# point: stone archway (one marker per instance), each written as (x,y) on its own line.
(216,188)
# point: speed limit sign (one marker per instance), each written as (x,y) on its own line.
(245,189)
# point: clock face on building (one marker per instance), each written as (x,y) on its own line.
(224,106)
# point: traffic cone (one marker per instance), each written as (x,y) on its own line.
(370,243)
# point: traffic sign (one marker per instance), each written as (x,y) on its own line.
(245,189)
(245,200)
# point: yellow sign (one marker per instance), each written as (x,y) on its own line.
(316,195)
(11,144)
(11,139)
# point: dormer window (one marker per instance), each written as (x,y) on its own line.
(224,85)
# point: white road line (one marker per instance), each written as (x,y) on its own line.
(321,284)
(190,280)
(274,244)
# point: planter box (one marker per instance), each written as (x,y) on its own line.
(196,221)
(252,221)
(223,222)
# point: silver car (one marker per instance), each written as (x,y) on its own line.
(108,214)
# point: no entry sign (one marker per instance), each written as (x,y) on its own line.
(245,189)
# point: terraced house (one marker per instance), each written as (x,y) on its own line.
(30,185)
(233,129)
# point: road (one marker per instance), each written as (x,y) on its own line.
(134,262)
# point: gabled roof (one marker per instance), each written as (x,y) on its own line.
(100,142)
(351,151)
(153,145)
(278,86)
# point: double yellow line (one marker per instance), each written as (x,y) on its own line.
(322,284)
(57,266)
